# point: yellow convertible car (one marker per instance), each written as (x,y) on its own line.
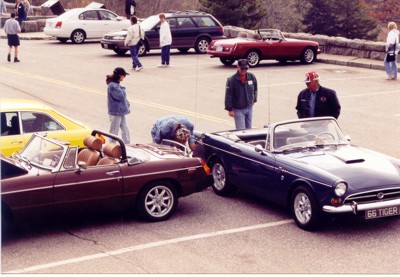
(20,118)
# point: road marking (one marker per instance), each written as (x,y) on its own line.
(151,245)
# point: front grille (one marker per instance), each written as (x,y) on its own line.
(373,196)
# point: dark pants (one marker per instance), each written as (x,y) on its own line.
(165,54)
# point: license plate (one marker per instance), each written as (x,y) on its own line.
(219,48)
(382,212)
(105,46)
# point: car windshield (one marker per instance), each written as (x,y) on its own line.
(150,22)
(307,133)
(42,152)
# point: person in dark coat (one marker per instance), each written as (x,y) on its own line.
(315,100)
(130,8)
(20,12)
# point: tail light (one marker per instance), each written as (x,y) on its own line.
(220,29)
(205,167)
(58,25)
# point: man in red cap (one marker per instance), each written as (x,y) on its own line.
(315,100)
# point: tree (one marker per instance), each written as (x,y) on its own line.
(340,18)
(246,14)
(383,10)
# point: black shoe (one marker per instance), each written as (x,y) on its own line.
(9,57)
(16,60)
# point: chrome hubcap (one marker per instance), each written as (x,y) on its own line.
(159,201)
(219,176)
(302,208)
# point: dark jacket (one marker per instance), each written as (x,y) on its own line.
(128,4)
(239,95)
(326,103)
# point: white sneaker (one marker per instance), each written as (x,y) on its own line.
(139,68)
(161,65)
(167,65)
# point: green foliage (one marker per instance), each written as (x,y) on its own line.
(246,14)
(344,18)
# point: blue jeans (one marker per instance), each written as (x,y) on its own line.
(165,54)
(119,121)
(391,67)
(243,118)
(134,55)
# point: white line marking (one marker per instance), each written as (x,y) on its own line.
(150,245)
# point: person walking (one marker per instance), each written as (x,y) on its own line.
(12,28)
(134,35)
(392,50)
(3,8)
(20,12)
(174,127)
(117,103)
(315,100)
(240,95)
(165,41)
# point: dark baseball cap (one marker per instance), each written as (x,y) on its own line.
(243,64)
(120,71)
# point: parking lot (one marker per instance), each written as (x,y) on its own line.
(208,234)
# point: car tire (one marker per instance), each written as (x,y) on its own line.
(183,50)
(227,62)
(78,36)
(157,201)
(142,50)
(253,57)
(120,52)
(305,208)
(220,185)
(202,45)
(308,56)
(62,40)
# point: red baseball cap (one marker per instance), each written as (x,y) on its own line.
(311,76)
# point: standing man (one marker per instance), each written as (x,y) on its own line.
(130,8)
(118,104)
(165,41)
(20,12)
(12,28)
(240,95)
(176,127)
(315,100)
(134,35)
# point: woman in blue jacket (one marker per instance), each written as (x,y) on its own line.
(117,102)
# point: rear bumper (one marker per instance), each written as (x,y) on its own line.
(355,208)
(112,45)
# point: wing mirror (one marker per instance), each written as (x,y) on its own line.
(82,166)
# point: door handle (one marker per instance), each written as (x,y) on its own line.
(17,142)
(112,172)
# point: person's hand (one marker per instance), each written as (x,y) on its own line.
(231,113)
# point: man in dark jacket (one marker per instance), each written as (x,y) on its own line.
(315,100)
(130,8)
(240,95)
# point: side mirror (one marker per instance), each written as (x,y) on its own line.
(259,148)
(348,138)
(81,166)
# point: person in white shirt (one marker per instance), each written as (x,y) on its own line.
(132,40)
(392,46)
(165,41)
(12,28)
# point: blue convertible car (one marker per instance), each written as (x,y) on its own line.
(307,165)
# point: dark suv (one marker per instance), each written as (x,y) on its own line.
(190,29)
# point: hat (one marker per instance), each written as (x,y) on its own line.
(243,64)
(120,71)
(182,134)
(311,76)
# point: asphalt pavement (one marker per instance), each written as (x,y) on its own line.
(322,58)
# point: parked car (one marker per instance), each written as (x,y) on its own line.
(84,23)
(265,44)
(20,118)
(51,176)
(307,165)
(191,29)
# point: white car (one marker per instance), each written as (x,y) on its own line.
(84,23)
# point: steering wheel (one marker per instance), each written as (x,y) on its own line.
(326,135)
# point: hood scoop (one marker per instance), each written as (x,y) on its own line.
(348,158)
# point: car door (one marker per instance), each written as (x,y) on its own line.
(95,188)
(12,138)
(110,22)
(185,33)
(90,22)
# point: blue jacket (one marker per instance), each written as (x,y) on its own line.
(116,100)
(165,128)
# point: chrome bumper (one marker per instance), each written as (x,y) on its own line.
(354,207)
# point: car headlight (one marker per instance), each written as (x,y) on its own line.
(340,189)
(119,37)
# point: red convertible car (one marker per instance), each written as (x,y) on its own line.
(265,44)
(49,175)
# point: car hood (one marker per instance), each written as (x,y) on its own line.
(9,168)
(117,33)
(359,167)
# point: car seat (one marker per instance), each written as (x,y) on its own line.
(91,154)
(112,154)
